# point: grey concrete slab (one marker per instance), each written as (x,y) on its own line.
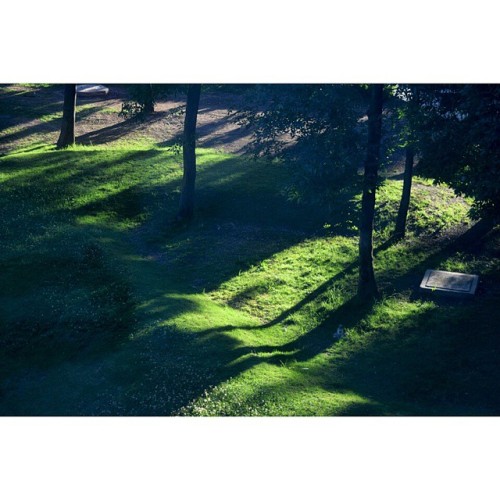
(91,90)
(448,283)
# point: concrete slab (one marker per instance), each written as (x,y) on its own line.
(91,90)
(448,283)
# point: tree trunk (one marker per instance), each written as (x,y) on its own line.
(400,230)
(186,205)
(67,135)
(367,286)
(149,100)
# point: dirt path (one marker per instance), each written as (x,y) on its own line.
(31,116)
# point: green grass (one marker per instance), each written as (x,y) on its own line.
(36,86)
(107,308)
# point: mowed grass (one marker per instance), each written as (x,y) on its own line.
(108,308)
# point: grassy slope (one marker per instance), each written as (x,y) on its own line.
(106,308)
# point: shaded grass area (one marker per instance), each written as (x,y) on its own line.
(107,308)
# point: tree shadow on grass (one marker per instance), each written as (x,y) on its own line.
(233,229)
(107,134)
(409,368)
(70,349)
(53,125)
(209,135)
(283,317)
(28,105)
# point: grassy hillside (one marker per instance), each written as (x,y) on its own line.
(107,308)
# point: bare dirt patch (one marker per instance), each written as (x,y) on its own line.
(31,116)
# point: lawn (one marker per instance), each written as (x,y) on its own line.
(109,308)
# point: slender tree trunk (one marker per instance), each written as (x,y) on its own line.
(400,230)
(67,135)
(412,107)
(149,101)
(186,205)
(367,286)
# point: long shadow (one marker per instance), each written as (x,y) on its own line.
(320,338)
(226,139)
(118,130)
(31,130)
(208,137)
(409,279)
(21,108)
(31,104)
(210,103)
(107,134)
(47,127)
(259,216)
(317,340)
(230,232)
(309,298)
(51,182)
(228,359)
(418,376)
(57,161)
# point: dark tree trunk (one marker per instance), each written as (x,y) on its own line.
(186,205)
(412,108)
(367,286)
(149,100)
(400,231)
(67,135)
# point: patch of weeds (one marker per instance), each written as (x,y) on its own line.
(132,110)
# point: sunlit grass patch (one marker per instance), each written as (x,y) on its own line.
(280,281)
(432,209)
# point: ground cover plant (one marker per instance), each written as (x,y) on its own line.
(110,308)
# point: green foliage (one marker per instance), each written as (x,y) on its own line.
(143,97)
(132,109)
(399,123)
(459,138)
(316,129)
